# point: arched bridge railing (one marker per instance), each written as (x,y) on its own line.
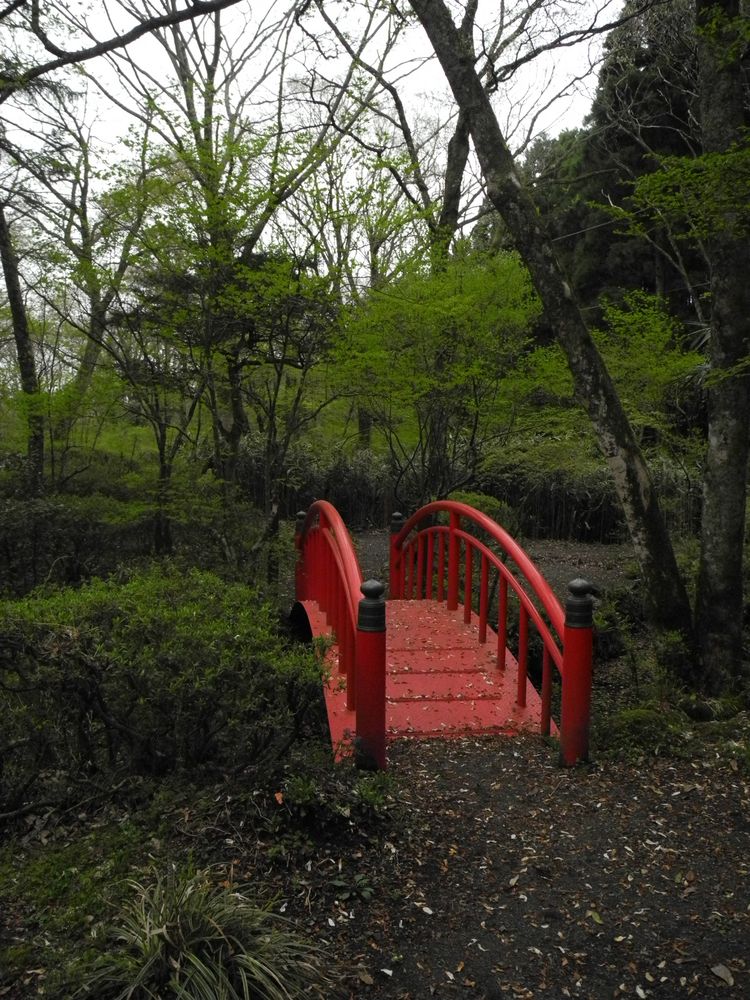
(448,551)
(328,572)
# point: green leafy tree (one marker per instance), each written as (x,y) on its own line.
(227,170)
(720,32)
(427,354)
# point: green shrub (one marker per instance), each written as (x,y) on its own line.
(500,512)
(357,483)
(167,670)
(642,731)
(182,937)
(66,539)
(69,539)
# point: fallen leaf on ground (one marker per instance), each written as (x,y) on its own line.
(723,973)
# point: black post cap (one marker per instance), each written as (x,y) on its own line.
(397,522)
(301,515)
(579,606)
(371,617)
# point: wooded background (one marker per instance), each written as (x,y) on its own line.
(246,265)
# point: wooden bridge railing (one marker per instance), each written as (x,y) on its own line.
(328,573)
(468,557)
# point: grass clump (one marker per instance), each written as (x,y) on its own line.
(181,936)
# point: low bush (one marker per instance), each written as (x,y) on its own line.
(66,539)
(500,512)
(358,483)
(164,671)
(642,731)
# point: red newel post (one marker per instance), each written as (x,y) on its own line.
(578,649)
(396,579)
(299,569)
(370,678)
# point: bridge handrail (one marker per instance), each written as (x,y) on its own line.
(415,564)
(328,572)
(536,581)
(524,599)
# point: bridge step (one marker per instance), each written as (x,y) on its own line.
(440,681)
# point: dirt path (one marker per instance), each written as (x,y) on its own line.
(506,876)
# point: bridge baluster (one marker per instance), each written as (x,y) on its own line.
(483,599)
(420,566)
(523,653)
(454,546)
(430,565)
(468,582)
(502,623)
(409,555)
(441,567)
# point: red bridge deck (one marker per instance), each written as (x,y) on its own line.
(440,682)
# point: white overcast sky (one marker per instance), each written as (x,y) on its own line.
(426,91)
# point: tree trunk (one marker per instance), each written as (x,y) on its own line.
(93,349)
(26,361)
(458,155)
(162,521)
(665,590)
(364,428)
(719,601)
(239,425)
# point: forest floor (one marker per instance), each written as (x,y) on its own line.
(560,561)
(476,868)
(479,870)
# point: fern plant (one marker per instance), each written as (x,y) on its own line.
(183,937)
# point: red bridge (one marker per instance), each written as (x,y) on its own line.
(469,622)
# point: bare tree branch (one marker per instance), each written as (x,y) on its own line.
(11,82)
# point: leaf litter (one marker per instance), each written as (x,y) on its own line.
(608,881)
